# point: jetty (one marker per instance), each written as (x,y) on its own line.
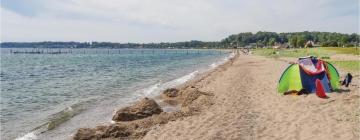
(118,51)
(38,51)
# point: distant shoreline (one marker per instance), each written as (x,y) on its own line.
(246,39)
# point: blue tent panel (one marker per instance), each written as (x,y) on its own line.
(308,82)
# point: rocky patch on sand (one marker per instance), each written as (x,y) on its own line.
(171,92)
(142,109)
(135,121)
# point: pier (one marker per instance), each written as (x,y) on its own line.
(40,51)
(119,51)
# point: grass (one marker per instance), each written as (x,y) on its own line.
(351,65)
(324,53)
(286,52)
(320,52)
(339,50)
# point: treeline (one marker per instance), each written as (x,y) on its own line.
(259,39)
(187,44)
(295,39)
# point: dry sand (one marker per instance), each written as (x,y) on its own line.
(239,100)
(245,105)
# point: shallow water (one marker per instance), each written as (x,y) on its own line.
(51,95)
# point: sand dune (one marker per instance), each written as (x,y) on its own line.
(246,105)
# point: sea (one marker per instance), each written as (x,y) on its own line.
(50,93)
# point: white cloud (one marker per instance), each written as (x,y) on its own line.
(170,20)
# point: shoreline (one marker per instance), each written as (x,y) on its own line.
(238,100)
(191,83)
(38,134)
(187,88)
(248,107)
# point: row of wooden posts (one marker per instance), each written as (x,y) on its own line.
(108,51)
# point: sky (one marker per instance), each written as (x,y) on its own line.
(145,21)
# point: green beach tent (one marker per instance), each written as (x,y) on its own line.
(305,73)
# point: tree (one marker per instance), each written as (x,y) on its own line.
(264,41)
(300,41)
(354,38)
(293,41)
(271,41)
(343,41)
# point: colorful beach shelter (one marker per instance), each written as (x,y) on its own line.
(310,74)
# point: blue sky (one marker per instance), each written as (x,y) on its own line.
(145,21)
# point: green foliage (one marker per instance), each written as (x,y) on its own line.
(272,41)
(261,39)
(293,41)
(187,44)
(329,44)
(296,39)
(300,41)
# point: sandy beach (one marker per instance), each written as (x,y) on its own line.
(179,70)
(239,100)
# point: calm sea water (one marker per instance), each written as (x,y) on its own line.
(51,95)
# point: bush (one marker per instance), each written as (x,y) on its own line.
(349,45)
(329,44)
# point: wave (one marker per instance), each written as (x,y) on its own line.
(151,89)
(57,119)
(230,56)
(28,136)
(227,58)
(181,80)
(158,87)
(66,114)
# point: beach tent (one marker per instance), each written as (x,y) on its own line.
(310,74)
